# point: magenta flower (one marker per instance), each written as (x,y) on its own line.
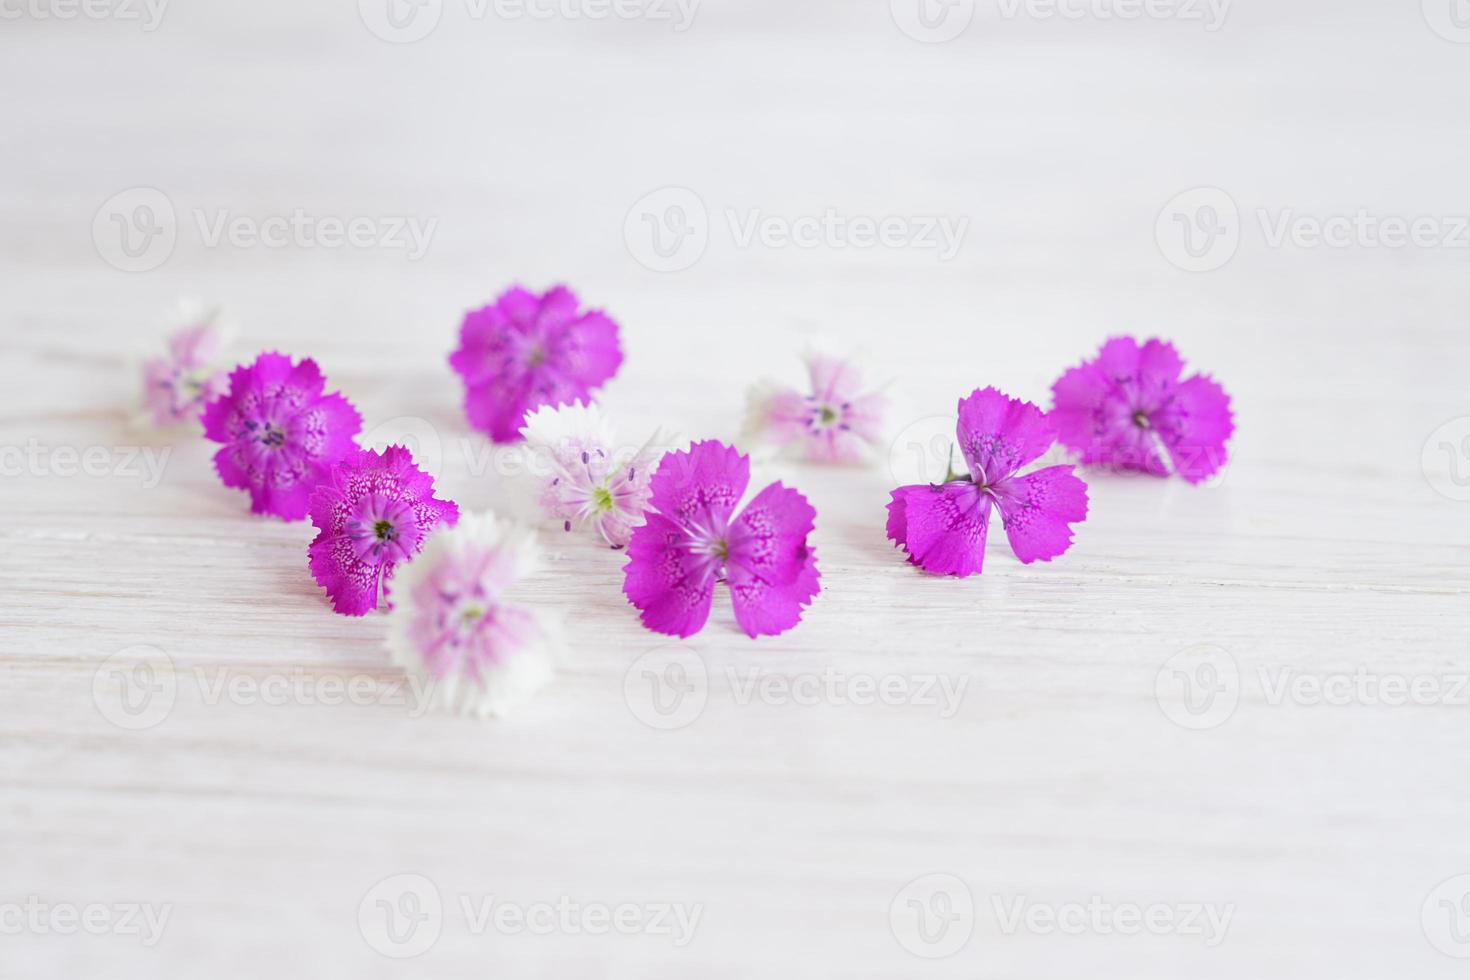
(1128,409)
(177,386)
(375,511)
(459,632)
(692,540)
(281,434)
(836,422)
(525,351)
(943,527)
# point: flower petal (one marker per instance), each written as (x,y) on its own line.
(999,434)
(942,528)
(771,569)
(834,379)
(774,414)
(671,588)
(699,488)
(1037,509)
(587,351)
(1195,427)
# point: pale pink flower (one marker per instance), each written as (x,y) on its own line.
(456,628)
(836,421)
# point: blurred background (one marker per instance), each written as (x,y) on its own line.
(959,192)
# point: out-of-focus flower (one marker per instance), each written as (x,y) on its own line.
(1128,409)
(281,434)
(178,384)
(835,422)
(454,629)
(524,351)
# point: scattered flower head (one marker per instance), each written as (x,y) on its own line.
(1129,409)
(836,422)
(281,434)
(454,628)
(177,385)
(524,351)
(588,482)
(374,512)
(693,539)
(943,527)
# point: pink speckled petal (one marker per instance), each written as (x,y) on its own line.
(942,528)
(1195,427)
(1037,510)
(671,588)
(999,434)
(772,570)
(699,488)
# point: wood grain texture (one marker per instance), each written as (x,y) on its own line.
(1326,549)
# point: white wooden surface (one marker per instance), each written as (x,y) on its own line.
(1325,548)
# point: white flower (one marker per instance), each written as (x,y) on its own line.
(587,479)
(454,630)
